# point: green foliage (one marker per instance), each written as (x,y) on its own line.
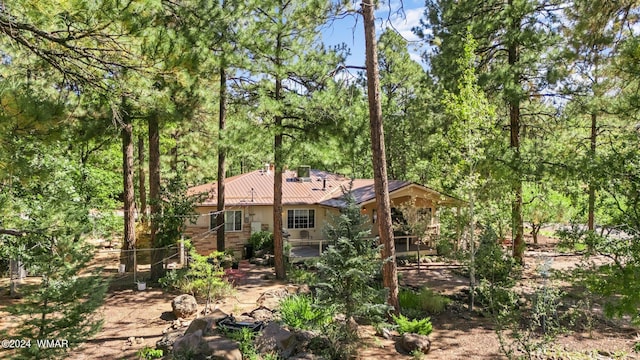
(148,353)
(526,330)
(348,271)
(492,264)
(262,240)
(445,247)
(245,337)
(300,312)
(297,275)
(203,277)
(62,305)
(417,326)
(423,301)
(177,208)
(342,344)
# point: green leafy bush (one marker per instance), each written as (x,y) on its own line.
(244,337)
(203,277)
(493,264)
(444,247)
(148,353)
(299,312)
(417,326)
(426,300)
(262,240)
(298,275)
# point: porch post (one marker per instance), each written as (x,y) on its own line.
(458,230)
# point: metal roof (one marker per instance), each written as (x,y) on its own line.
(321,188)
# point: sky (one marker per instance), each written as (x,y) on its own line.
(350,30)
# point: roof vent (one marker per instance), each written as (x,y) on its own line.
(304,173)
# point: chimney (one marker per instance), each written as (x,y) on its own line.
(271,167)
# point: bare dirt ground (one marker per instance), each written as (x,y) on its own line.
(457,333)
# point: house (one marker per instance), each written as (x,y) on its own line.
(310,198)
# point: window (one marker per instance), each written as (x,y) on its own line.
(233,220)
(212,220)
(301,219)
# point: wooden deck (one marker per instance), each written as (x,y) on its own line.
(303,249)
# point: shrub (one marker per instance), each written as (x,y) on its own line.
(203,278)
(426,300)
(262,240)
(245,338)
(301,276)
(148,353)
(299,312)
(350,269)
(444,247)
(491,262)
(417,326)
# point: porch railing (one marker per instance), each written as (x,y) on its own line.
(403,243)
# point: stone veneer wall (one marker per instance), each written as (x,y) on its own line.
(205,244)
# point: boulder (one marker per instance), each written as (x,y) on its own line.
(184,306)
(168,339)
(261,314)
(275,338)
(197,346)
(206,324)
(409,343)
(305,356)
(189,343)
(310,342)
(217,347)
(271,298)
(303,289)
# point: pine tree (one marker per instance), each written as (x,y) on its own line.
(291,67)
(510,44)
(381,182)
(350,267)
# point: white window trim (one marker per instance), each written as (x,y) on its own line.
(241,220)
(307,228)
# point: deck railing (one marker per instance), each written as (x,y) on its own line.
(404,243)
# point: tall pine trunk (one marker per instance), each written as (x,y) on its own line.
(389,271)
(278,241)
(592,187)
(129,193)
(142,179)
(154,194)
(514,125)
(222,154)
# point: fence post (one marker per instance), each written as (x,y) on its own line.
(135,264)
(182,250)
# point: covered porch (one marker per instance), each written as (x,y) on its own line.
(406,245)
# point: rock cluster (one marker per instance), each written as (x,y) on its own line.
(200,338)
(184,306)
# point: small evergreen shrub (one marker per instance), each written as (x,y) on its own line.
(297,275)
(444,248)
(349,271)
(262,240)
(203,277)
(299,312)
(417,326)
(426,300)
(493,264)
